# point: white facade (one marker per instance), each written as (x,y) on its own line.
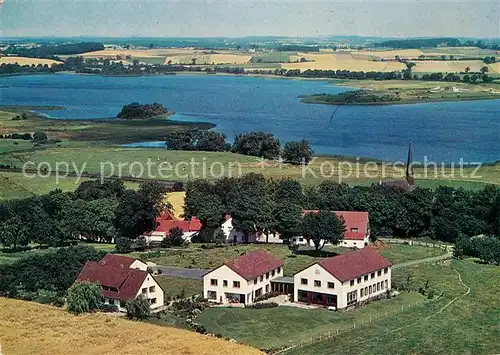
(157,237)
(355,243)
(315,281)
(222,285)
(234,236)
(139,265)
(149,290)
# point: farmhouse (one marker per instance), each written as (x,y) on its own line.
(121,279)
(243,279)
(357,234)
(344,280)
(167,221)
(235,236)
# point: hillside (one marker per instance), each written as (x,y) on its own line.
(31,328)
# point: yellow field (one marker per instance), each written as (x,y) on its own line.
(27,61)
(456,66)
(208,59)
(330,62)
(146,53)
(177,201)
(31,328)
(403,53)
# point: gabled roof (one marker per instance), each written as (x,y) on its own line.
(353,220)
(254,264)
(354,264)
(127,281)
(117,261)
(166,222)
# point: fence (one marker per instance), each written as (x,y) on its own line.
(442,246)
(345,328)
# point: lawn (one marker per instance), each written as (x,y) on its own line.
(276,327)
(198,258)
(467,326)
(31,328)
(398,253)
(176,286)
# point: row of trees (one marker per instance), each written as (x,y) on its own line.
(37,136)
(486,248)
(95,211)
(269,206)
(258,144)
(51,51)
(138,111)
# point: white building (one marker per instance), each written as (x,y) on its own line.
(122,279)
(235,236)
(344,280)
(243,279)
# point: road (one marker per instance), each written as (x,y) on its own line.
(183,272)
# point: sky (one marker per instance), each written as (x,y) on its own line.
(237,18)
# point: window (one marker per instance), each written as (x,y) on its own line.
(378,286)
(213,282)
(352,297)
(372,275)
(267,275)
(362,291)
(114,289)
(354,229)
(301,239)
(258,292)
(331,285)
(386,270)
(303,281)
(279,269)
(224,283)
(212,295)
(382,285)
(144,290)
(351,282)
(379,272)
(366,291)
(370,290)
(317,283)
(359,280)
(105,288)
(151,289)
(273,273)
(261,278)
(236,284)
(122,304)
(153,300)
(386,286)
(317,271)
(267,288)
(255,281)
(366,277)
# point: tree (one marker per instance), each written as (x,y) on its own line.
(484,69)
(138,308)
(39,137)
(123,245)
(219,238)
(467,69)
(174,237)
(297,152)
(13,233)
(473,78)
(84,298)
(258,144)
(322,227)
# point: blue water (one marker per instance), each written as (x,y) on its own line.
(441,131)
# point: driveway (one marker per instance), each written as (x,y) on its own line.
(183,272)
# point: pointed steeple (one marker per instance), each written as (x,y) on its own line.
(409,170)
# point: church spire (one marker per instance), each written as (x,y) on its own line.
(409,170)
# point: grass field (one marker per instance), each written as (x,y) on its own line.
(31,328)
(276,327)
(196,257)
(468,326)
(176,286)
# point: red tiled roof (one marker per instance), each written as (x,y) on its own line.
(254,264)
(117,261)
(354,264)
(127,281)
(166,222)
(353,220)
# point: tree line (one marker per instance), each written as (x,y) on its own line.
(259,144)
(96,212)
(50,51)
(269,206)
(138,111)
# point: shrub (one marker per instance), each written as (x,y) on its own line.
(138,308)
(108,308)
(123,245)
(262,305)
(83,298)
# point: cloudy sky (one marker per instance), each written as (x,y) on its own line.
(398,18)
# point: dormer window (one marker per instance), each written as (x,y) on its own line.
(354,229)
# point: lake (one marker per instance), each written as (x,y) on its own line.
(443,132)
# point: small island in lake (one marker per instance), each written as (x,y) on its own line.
(358,97)
(138,111)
